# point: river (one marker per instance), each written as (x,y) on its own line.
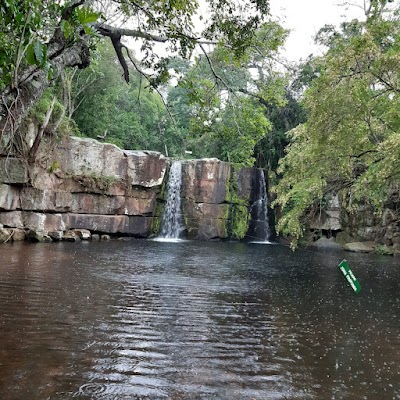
(141,319)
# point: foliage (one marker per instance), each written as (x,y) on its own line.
(131,116)
(230,133)
(59,122)
(284,118)
(25,31)
(221,102)
(352,136)
(40,40)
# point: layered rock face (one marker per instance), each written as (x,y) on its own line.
(82,184)
(215,199)
(360,230)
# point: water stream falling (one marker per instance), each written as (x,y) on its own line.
(261,230)
(172,220)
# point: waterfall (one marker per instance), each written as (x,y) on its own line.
(260,227)
(171,224)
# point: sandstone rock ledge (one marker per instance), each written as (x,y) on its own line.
(83,184)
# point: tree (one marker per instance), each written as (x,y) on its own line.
(40,39)
(221,102)
(128,116)
(351,140)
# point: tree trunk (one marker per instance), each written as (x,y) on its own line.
(16,103)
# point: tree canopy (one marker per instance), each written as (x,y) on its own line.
(351,140)
(39,39)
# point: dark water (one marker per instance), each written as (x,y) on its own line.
(148,320)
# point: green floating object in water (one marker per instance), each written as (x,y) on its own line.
(348,274)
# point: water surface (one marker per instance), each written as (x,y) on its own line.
(192,320)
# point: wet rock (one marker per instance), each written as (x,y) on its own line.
(5,235)
(139,226)
(324,242)
(84,234)
(210,228)
(384,250)
(38,236)
(105,237)
(18,235)
(396,244)
(95,237)
(71,236)
(329,220)
(56,235)
(360,247)
(343,237)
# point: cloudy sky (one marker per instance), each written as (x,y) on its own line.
(305,18)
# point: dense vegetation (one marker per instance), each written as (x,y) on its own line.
(350,143)
(328,125)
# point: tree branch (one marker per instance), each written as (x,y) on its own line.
(142,73)
(112,31)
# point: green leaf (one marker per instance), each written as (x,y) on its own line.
(30,55)
(86,16)
(39,50)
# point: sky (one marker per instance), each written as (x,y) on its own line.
(305,18)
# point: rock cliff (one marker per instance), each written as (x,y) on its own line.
(82,184)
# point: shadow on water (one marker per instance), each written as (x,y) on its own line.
(154,320)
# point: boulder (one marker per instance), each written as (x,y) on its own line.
(56,235)
(360,247)
(18,235)
(5,235)
(71,236)
(83,234)
(105,237)
(324,242)
(145,168)
(38,236)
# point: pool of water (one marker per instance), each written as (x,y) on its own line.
(193,320)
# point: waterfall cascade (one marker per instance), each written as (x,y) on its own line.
(260,220)
(172,220)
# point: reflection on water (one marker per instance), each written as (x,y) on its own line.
(152,320)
